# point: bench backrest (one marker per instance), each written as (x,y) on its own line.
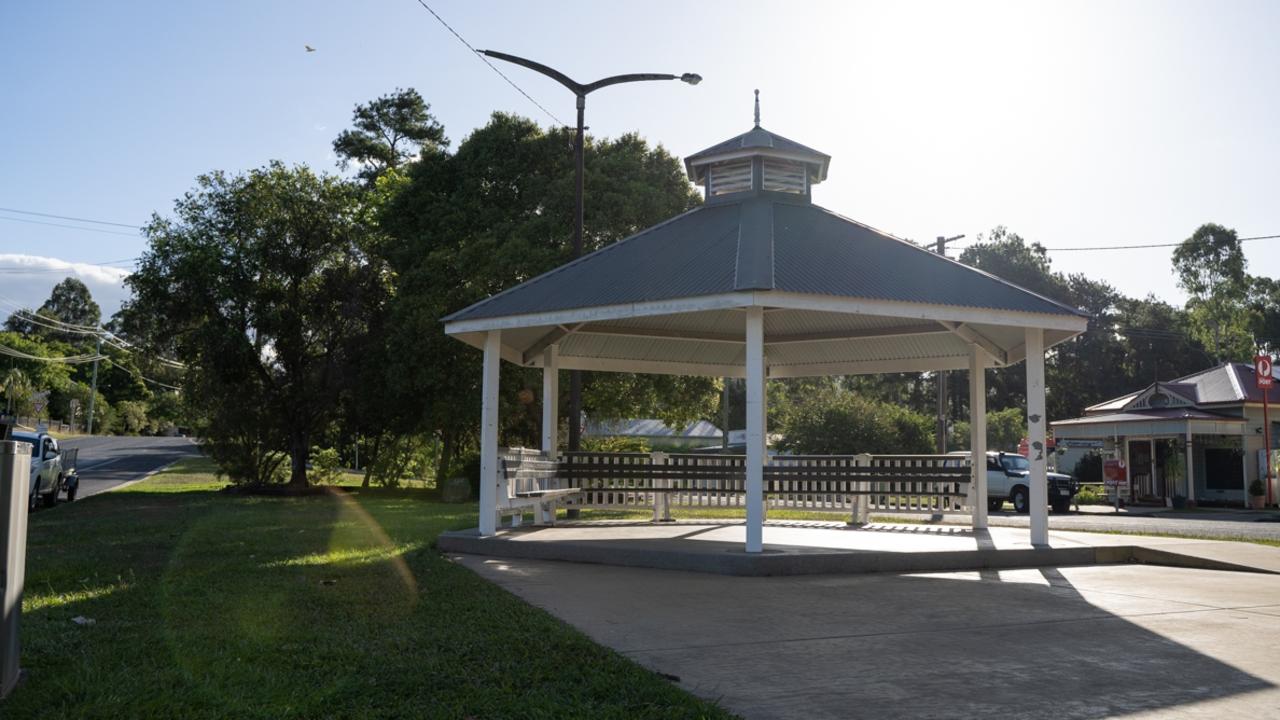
(526,470)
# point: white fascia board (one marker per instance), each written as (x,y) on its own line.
(1072,324)
(920,311)
(608,312)
(871,367)
(653,367)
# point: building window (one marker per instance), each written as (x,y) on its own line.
(1223,469)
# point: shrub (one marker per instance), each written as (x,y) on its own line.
(615,444)
(326,466)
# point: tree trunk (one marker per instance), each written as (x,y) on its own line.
(299,452)
(370,459)
(446,457)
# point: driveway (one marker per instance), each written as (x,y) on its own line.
(1078,642)
(107,462)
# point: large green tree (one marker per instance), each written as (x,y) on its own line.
(496,212)
(388,132)
(1211,267)
(265,285)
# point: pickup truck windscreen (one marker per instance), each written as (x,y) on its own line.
(1015,462)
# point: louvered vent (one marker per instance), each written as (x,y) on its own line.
(784,176)
(730,177)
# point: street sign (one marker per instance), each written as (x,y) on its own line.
(1262,372)
(39,401)
(1071,443)
(1114,473)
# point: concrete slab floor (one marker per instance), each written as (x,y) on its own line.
(1074,642)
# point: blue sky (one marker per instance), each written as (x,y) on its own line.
(1075,124)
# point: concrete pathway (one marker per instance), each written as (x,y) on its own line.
(1075,642)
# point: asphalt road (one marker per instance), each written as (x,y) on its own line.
(107,462)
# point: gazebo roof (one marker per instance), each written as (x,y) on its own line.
(763,241)
(840,297)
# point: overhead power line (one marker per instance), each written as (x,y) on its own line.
(72,227)
(68,217)
(67,360)
(1140,247)
(491,65)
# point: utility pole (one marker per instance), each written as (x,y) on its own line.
(940,247)
(93,394)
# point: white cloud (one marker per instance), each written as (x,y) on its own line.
(27,280)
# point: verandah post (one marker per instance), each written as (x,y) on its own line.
(755,429)
(489,433)
(1036,446)
(978,435)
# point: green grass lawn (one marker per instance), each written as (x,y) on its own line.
(210,605)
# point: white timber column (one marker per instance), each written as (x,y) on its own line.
(1038,479)
(755,429)
(1191,472)
(978,434)
(550,401)
(489,434)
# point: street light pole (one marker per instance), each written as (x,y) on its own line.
(580,91)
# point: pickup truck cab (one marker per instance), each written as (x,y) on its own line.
(1007,475)
(49,474)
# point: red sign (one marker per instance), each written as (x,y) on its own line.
(1114,473)
(1262,372)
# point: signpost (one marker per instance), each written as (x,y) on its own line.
(1262,374)
(1116,478)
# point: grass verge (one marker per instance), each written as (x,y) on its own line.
(208,605)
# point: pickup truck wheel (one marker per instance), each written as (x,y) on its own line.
(33,500)
(52,498)
(995,504)
(1021,502)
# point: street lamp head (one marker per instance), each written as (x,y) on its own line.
(691,78)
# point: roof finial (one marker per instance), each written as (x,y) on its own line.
(757,107)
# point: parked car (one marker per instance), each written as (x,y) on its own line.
(1007,480)
(52,470)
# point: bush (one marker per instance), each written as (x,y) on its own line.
(1092,495)
(841,422)
(1089,468)
(615,444)
(326,466)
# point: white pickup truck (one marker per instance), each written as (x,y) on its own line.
(53,471)
(1007,480)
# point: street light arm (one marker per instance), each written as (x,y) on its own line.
(632,77)
(578,88)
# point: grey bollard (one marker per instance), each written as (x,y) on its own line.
(15,482)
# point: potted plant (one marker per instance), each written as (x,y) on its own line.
(1256,491)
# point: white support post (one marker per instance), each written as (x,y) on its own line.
(978,435)
(1191,472)
(489,434)
(755,429)
(1038,478)
(550,401)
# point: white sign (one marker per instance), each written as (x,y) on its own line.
(39,401)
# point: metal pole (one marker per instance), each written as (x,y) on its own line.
(93,394)
(579,184)
(15,471)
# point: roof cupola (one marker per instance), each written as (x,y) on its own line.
(757,161)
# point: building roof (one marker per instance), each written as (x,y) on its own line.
(699,430)
(760,142)
(760,241)
(1225,384)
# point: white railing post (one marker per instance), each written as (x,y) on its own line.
(489,433)
(661,500)
(861,503)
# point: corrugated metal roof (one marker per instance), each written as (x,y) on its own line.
(752,242)
(1223,384)
(1147,415)
(700,429)
(756,137)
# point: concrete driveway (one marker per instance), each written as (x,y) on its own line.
(1076,642)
